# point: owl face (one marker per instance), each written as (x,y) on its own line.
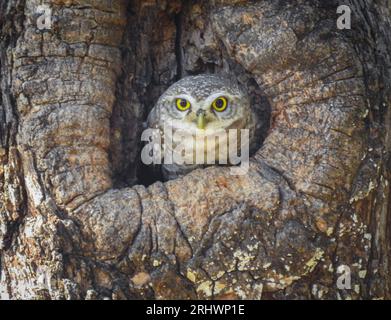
(192,113)
(205,102)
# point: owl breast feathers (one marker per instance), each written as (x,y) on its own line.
(198,118)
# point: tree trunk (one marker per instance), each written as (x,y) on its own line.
(76,221)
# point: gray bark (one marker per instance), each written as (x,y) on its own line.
(76,224)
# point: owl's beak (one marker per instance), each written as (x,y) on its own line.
(201,119)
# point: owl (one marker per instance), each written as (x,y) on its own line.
(200,107)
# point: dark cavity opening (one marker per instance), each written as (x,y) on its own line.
(160,46)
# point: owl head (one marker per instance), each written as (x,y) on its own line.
(203,102)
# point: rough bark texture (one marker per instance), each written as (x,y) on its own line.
(74,224)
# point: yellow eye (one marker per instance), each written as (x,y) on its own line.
(220,104)
(182,104)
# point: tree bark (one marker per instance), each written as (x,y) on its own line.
(75,222)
